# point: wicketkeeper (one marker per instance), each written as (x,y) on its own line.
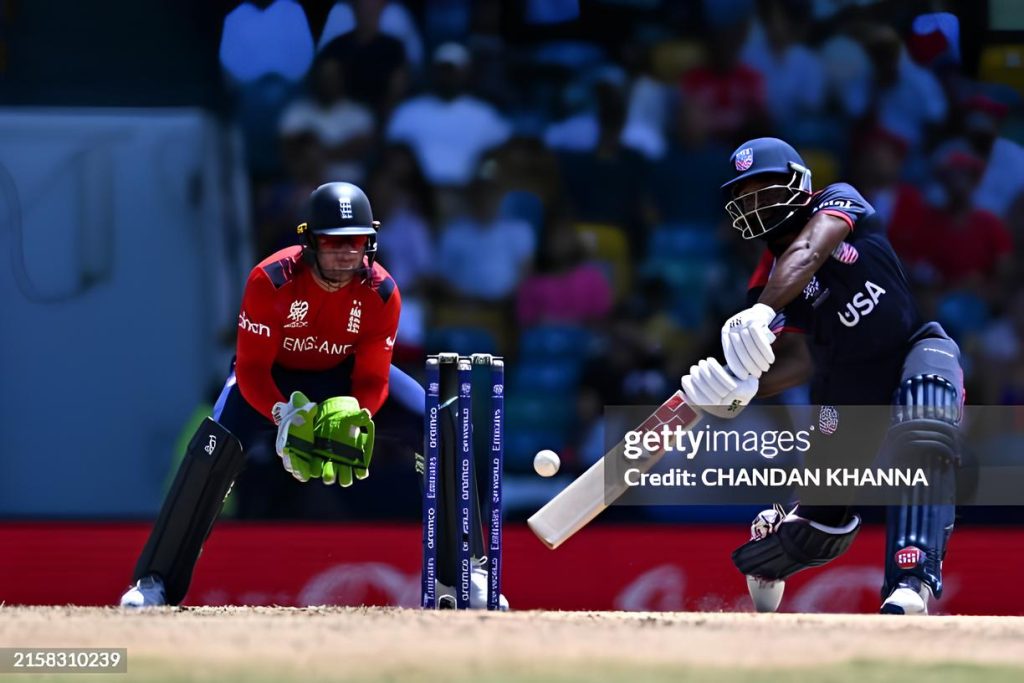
(312,381)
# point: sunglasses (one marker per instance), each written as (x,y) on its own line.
(341,241)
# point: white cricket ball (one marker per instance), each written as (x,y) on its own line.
(546,463)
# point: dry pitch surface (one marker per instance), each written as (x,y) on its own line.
(372,644)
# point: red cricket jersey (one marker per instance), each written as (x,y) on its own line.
(287,319)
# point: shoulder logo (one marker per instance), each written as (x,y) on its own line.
(744,159)
(389,342)
(345,206)
(355,315)
(834,203)
(846,253)
(297,314)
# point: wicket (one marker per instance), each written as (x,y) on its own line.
(464,477)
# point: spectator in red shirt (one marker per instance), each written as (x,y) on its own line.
(878,160)
(965,244)
(730,90)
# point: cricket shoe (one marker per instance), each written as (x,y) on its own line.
(766,594)
(910,596)
(784,543)
(147,592)
(477,590)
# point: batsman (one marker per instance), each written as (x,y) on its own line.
(852,328)
(311,381)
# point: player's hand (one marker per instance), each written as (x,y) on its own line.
(716,390)
(344,436)
(747,342)
(295,437)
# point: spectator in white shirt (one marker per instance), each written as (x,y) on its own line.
(344,128)
(909,99)
(482,255)
(1003,182)
(448,128)
(792,73)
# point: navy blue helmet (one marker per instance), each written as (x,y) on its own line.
(755,213)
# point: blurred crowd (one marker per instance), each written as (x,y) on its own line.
(546,172)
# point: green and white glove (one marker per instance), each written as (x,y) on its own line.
(343,436)
(296,436)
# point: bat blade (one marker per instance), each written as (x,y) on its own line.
(588,496)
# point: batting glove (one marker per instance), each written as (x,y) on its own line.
(747,342)
(715,389)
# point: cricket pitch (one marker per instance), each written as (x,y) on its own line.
(385,644)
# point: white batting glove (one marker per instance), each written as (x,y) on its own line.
(747,342)
(715,389)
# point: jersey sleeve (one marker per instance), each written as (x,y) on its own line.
(374,349)
(843,201)
(259,334)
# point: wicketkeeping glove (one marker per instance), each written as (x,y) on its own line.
(343,436)
(295,437)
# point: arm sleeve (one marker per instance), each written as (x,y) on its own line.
(258,340)
(373,356)
(843,201)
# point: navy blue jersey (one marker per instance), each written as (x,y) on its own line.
(857,310)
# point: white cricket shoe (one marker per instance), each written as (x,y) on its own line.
(147,592)
(766,594)
(445,595)
(910,596)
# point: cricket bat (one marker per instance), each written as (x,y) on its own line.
(587,497)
